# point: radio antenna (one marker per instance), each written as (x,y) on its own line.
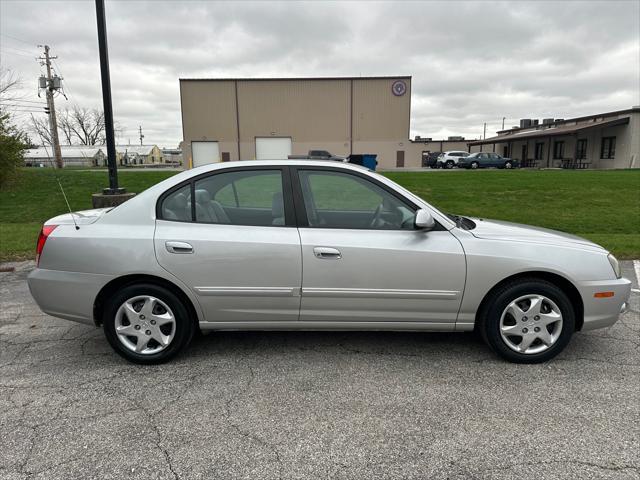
(67,202)
(61,189)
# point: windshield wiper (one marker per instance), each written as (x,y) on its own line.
(456,218)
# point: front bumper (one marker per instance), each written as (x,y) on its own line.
(68,295)
(604,312)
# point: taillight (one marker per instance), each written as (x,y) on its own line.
(42,239)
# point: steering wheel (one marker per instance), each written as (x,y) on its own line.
(376,217)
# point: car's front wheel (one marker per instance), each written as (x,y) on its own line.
(527,321)
(450,164)
(508,165)
(147,324)
(474,165)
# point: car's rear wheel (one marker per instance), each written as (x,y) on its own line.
(527,321)
(449,164)
(474,165)
(147,324)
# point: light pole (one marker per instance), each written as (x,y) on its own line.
(106,101)
(503,119)
(114,195)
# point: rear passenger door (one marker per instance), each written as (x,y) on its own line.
(235,245)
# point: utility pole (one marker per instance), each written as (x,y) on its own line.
(503,119)
(141,135)
(52,84)
(484,133)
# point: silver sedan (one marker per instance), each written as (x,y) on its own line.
(315,245)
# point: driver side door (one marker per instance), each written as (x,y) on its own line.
(363,260)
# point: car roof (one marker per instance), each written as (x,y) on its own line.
(278,163)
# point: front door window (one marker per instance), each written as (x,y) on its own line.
(341,200)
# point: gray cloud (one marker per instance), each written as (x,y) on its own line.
(471,62)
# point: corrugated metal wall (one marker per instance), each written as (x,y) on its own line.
(313,112)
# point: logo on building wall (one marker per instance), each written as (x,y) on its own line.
(399,88)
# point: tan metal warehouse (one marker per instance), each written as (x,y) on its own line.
(231,119)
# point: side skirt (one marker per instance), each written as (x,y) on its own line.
(366,326)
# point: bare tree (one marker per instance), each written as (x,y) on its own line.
(82,125)
(9,83)
(79,126)
(40,128)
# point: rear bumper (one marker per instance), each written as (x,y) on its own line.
(68,295)
(604,312)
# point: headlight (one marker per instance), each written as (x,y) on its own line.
(615,265)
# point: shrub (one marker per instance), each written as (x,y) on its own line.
(12,146)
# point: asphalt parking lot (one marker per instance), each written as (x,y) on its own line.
(312,405)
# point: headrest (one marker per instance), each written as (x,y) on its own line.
(202,196)
(178,201)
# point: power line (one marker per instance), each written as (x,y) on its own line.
(15,38)
(18,54)
(25,107)
(39,102)
(16,48)
(26,111)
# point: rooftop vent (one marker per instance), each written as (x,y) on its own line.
(547,121)
(455,138)
(525,123)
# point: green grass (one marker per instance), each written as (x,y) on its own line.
(603,206)
(35,197)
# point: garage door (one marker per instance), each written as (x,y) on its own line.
(273,148)
(204,153)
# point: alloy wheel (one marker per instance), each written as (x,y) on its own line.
(531,324)
(145,325)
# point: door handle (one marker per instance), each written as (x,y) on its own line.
(327,253)
(178,247)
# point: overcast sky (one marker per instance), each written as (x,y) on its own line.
(471,62)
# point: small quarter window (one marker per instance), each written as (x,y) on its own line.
(177,205)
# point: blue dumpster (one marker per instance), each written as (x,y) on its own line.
(369,161)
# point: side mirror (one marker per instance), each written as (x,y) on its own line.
(424,220)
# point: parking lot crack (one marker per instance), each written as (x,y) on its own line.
(611,468)
(272,447)
(158,444)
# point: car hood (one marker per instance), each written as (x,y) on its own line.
(499,230)
(84,217)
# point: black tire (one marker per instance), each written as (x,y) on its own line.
(449,164)
(489,318)
(474,165)
(185,327)
(508,165)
